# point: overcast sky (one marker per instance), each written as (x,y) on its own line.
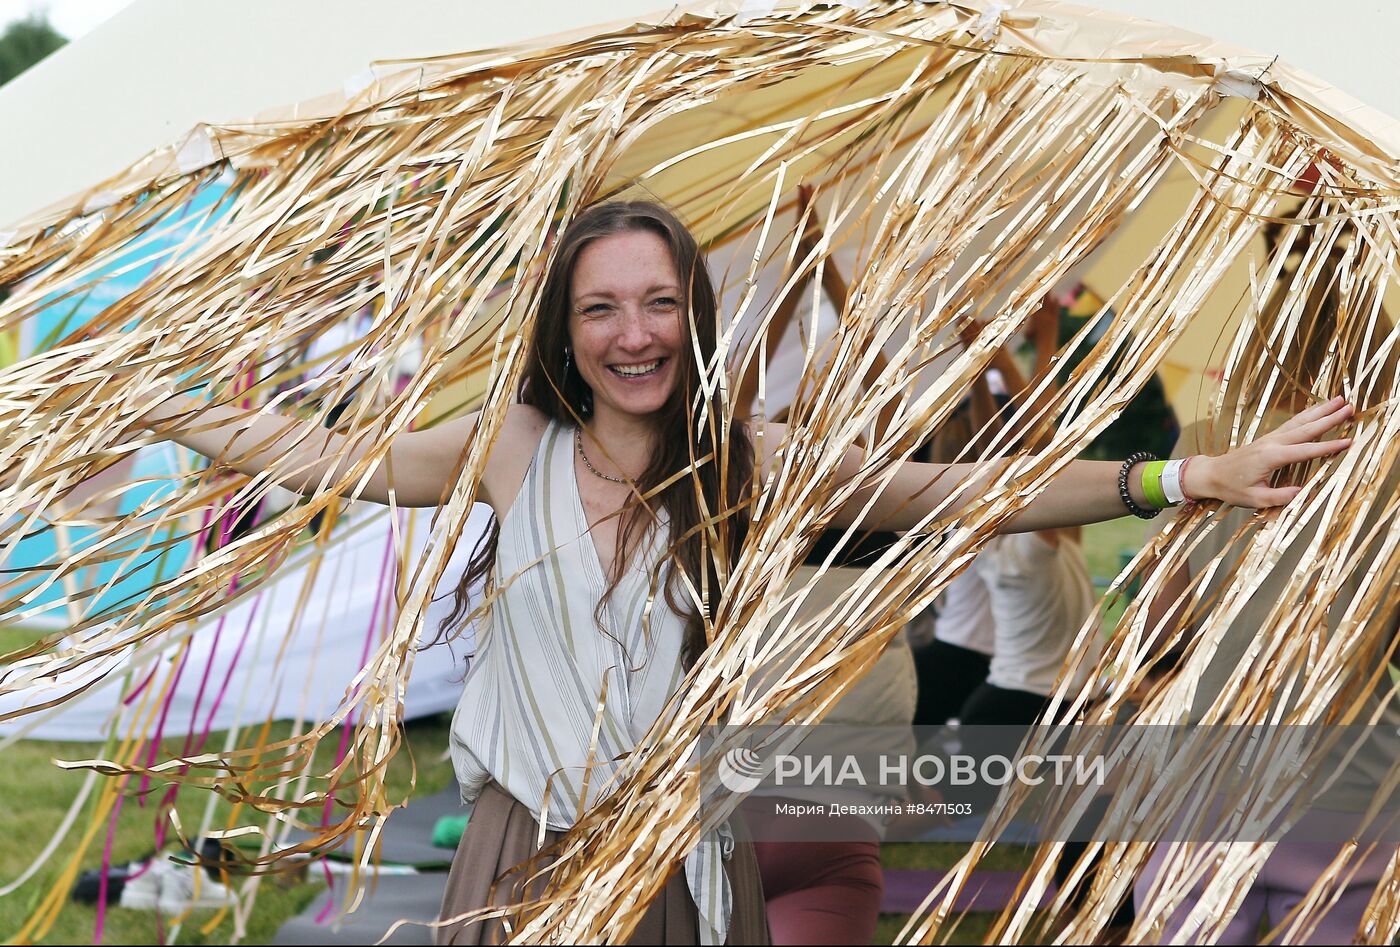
(72,18)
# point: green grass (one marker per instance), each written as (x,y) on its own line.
(12,638)
(1105,545)
(37,794)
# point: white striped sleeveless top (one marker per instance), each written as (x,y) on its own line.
(531,695)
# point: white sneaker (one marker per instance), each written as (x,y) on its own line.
(142,892)
(187,887)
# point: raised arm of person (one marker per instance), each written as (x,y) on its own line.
(1086,491)
(1031,404)
(1042,327)
(419,466)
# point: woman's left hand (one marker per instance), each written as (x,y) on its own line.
(1241,477)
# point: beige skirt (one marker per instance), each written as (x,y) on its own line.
(501,835)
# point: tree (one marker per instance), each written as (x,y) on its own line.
(25,42)
(1147,422)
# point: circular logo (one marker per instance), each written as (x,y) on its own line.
(741,770)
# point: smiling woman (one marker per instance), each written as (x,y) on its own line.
(613,480)
(591,523)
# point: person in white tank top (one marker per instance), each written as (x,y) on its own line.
(1040,595)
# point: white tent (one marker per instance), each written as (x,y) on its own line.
(266,658)
(152,72)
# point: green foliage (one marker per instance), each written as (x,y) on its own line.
(25,42)
(1147,423)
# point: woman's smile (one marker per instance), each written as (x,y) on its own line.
(638,369)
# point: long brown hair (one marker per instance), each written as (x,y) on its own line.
(707,508)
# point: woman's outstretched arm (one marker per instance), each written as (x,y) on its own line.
(1086,491)
(419,467)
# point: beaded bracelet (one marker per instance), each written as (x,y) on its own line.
(1140,457)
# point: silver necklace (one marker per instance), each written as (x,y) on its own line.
(578,442)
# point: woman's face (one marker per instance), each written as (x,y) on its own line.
(625,322)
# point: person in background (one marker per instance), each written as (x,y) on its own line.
(829,890)
(952,642)
(1037,583)
(1039,595)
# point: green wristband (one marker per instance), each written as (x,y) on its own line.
(1152,484)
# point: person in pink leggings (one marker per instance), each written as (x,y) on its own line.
(822,879)
(818,892)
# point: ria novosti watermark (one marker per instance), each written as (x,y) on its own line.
(1077,783)
(744,770)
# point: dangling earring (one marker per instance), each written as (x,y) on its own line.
(568,361)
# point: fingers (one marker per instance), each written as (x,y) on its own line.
(1312,450)
(1314,428)
(1295,442)
(1313,413)
(1283,456)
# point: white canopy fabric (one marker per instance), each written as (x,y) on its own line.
(265,658)
(149,74)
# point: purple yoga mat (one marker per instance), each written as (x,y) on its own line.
(905,888)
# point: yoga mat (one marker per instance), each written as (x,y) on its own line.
(407,838)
